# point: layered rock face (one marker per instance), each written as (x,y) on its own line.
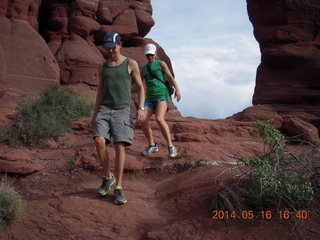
(287,84)
(26,62)
(288,34)
(75,28)
(43,42)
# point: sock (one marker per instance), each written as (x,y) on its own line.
(118,187)
(108,178)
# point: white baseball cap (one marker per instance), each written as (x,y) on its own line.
(150,49)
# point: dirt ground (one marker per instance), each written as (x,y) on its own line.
(170,200)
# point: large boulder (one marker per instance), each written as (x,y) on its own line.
(29,62)
(27,65)
(18,162)
(302,130)
(81,25)
(288,34)
(287,81)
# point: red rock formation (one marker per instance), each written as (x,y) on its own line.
(73,31)
(18,162)
(61,199)
(69,27)
(287,81)
(27,64)
(293,120)
(75,28)
(288,34)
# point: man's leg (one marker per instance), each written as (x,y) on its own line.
(120,160)
(108,180)
(103,155)
(119,197)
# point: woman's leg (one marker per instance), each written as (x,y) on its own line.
(146,127)
(160,118)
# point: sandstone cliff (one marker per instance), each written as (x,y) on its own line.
(46,42)
(59,41)
(288,34)
(287,83)
(43,42)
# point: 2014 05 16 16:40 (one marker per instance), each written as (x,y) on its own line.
(266,214)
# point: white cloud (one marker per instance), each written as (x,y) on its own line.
(209,96)
(215,82)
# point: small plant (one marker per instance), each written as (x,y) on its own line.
(272,138)
(10,203)
(274,182)
(70,160)
(49,115)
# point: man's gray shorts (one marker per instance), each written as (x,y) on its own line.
(116,124)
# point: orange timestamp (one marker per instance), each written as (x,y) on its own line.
(267,215)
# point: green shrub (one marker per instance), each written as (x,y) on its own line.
(10,203)
(70,160)
(272,138)
(274,183)
(49,115)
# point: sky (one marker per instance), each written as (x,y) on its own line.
(213,53)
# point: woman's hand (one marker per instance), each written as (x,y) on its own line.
(177,95)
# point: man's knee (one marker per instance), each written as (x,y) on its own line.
(119,145)
(99,141)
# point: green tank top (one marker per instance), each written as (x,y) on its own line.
(156,90)
(117,85)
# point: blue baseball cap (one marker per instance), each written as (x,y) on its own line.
(111,39)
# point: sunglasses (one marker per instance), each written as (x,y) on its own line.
(149,55)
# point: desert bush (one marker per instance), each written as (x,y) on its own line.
(70,160)
(10,203)
(274,182)
(48,115)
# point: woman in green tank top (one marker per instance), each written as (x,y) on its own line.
(155,73)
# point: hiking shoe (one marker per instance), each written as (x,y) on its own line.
(106,185)
(172,151)
(119,198)
(151,149)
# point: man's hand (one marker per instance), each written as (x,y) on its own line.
(140,116)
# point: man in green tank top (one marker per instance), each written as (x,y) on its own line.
(112,112)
